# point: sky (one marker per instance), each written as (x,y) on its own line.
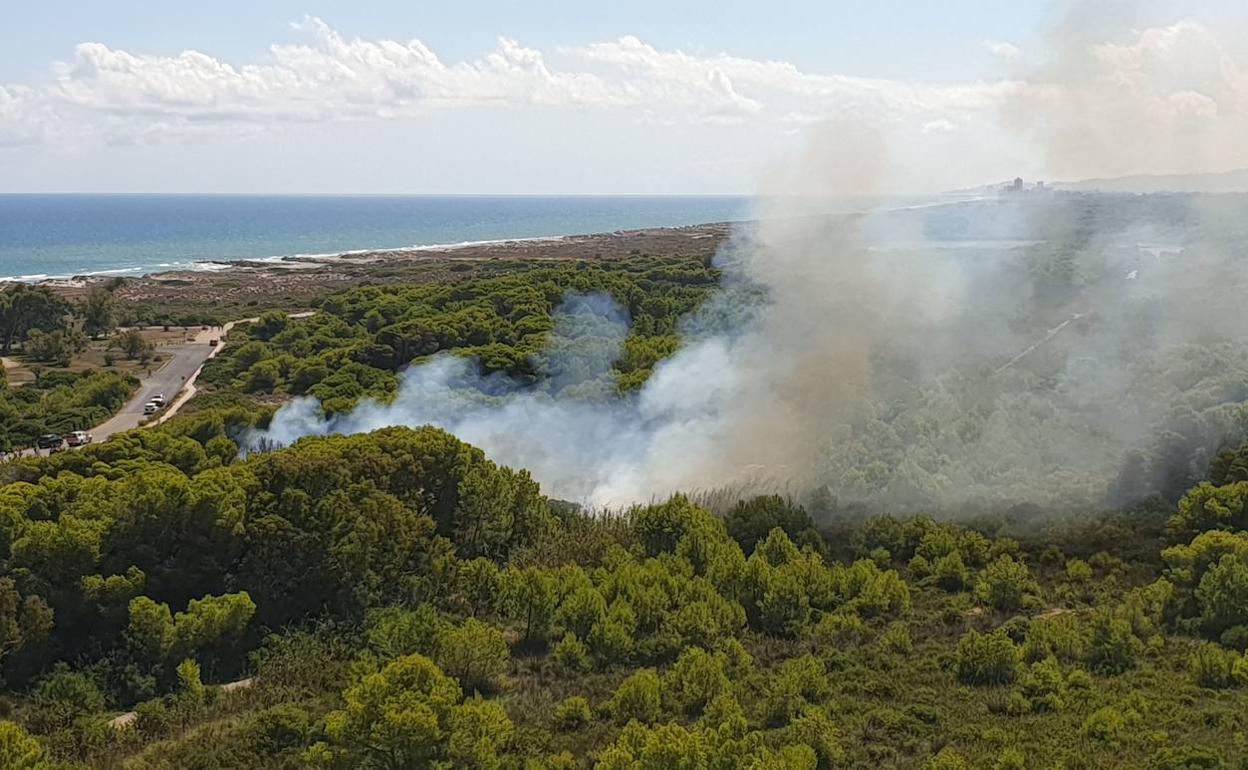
(645,97)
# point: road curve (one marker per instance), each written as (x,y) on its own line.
(175,380)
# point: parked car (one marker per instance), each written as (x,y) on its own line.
(49,441)
(212,343)
(150,407)
(78,438)
(158,399)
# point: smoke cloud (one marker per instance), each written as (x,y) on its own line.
(1035,346)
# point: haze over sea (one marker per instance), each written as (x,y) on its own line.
(50,236)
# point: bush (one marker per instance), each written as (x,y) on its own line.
(1105,724)
(62,697)
(1187,758)
(752,520)
(395,631)
(986,659)
(19,750)
(279,729)
(896,639)
(572,714)
(638,697)
(1043,685)
(947,759)
(474,653)
(839,630)
(696,679)
(1004,584)
(1212,667)
(1114,647)
(571,653)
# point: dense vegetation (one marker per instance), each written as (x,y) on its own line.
(397,600)
(50,331)
(59,402)
(403,602)
(360,339)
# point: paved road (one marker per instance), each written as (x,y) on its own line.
(185,360)
(176,380)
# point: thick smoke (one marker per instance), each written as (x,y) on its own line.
(1035,346)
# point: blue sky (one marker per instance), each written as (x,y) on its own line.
(642,97)
(885,38)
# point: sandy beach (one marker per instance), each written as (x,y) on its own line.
(293,281)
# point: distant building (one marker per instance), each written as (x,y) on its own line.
(1017,185)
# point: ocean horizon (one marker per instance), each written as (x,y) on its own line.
(61,235)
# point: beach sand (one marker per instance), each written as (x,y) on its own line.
(292,281)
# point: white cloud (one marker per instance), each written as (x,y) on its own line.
(1161,99)
(1006,52)
(121,95)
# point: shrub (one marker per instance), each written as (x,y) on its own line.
(1213,667)
(638,697)
(394,631)
(752,520)
(1044,685)
(62,697)
(1114,647)
(572,714)
(278,729)
(695,680)
(1104,724)
(1187,758)
(1010,759)
(986,659)
(950,572)
(19,750)
(839,630)
(946,759)
(896,639)
(1078,571)
(474,653)
(571,653)
(814,728)
(1004,584)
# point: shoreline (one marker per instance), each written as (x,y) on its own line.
(235,288)
(351,257)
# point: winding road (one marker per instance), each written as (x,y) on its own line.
(175,380)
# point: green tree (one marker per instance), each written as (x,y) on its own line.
(480,733)
(62,697)
(474,653)
(571,653)
(1222,594)
(20,751)
(395,631)
(99,312)
(697,678)
(531,595)
(133,344)
(986,659)
(1113,647)
(150,631)
(398,718)
(752,520)
(638,697)
(1004,584)
(24,620)
(25,308)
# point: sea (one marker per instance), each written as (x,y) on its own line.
(59,236)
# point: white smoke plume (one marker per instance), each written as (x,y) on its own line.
(1037,347)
